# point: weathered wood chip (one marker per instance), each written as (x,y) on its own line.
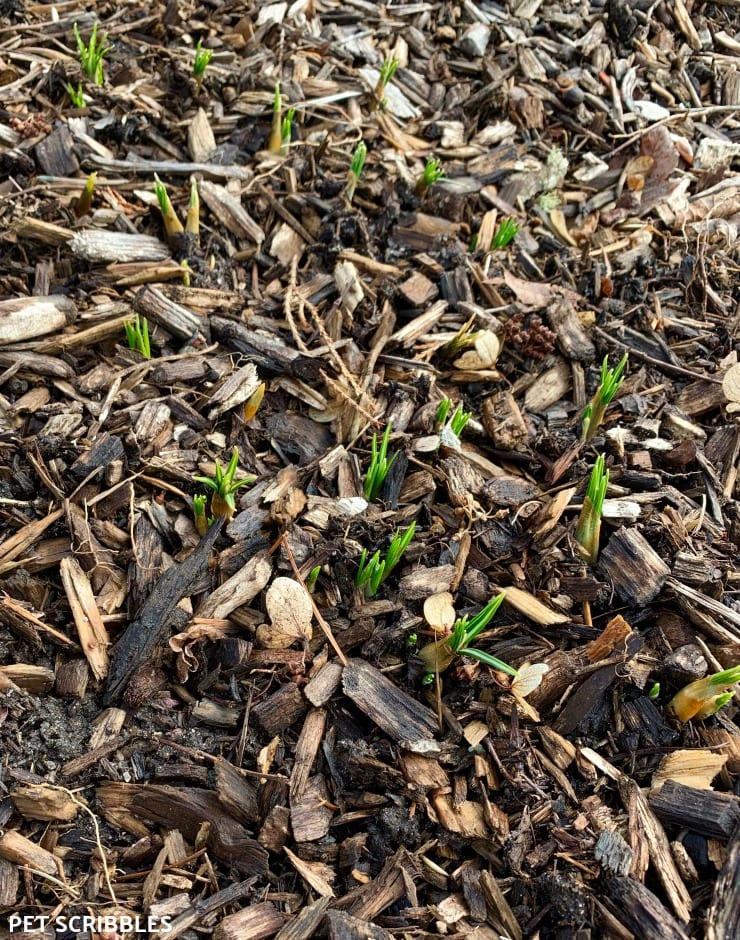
(23,318)
(88,620)
(239,589)
(392,709)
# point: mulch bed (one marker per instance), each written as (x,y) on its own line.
(190,737)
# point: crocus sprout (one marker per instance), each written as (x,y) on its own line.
(91,54)
(192,219)
(440,654)
(431,174)
(84,203)
(380,465)
(224,486)
(137,335)
(275,140)
(286,132)
(373,571)
(173,226)
(199,513)
(200,62)
(387,71)
(611,380)
(704,697)
(504,234)
(457,422)
(355,170)
(589,522)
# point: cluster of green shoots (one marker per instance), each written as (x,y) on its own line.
(223,485)
(704,697)
(589,521)
(380,465)
(431,174)
(387,71)
(505,233)
(438,655)
(458,420)
(611,380)
(137,335)
(201,62)
(91,60)
(373,571)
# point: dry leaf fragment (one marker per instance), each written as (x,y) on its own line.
(439,611)
(731,388)
(317,874)
(530,293)
(236,389)
(289,608)
(529,679)
(90,627)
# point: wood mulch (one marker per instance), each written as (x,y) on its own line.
(191,737)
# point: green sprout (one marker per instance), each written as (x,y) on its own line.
(76,95)
(173,226)
(223,484)
(380,465)
(355,169)
(201,62)
(84,203)
(372,572)
(91,55)
(589,522)
(199,512)
(286,132)
(458,420)
(387,71)
(439,654)
(704,697)
(313,577)
(432,173)
(275,140)
(593,414)
(137,334)
(504,234)
(463,339)
(654,691)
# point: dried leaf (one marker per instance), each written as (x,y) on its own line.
(731,388)
(529,678)
(289,608)
(528,292)
(439,611)
(317,874)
